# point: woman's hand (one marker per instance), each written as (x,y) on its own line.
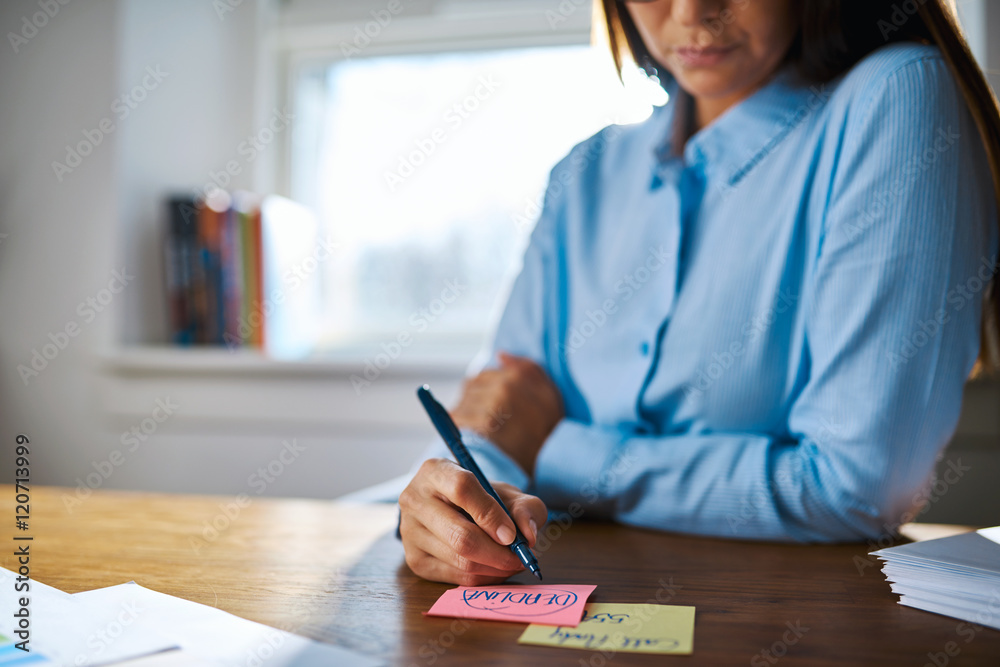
(515,407)
(443,545)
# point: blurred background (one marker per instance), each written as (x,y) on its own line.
(416,134)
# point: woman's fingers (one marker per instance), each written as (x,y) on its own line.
(460,488)
(465,541)
(427,541)
(529,511)
(443,545)
(429,567)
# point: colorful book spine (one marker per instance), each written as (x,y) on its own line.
(232,278)
(249,276)
(214,271)
(251,322)
(181,246)
(257,305)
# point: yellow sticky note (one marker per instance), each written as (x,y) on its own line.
(622,628)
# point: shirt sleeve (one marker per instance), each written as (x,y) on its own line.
(891,325)
(495,464)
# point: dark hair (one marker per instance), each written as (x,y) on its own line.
(834,35)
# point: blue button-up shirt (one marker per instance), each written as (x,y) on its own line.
(764,334)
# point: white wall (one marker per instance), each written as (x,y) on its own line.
(59,247)
(64,239)
(188,127)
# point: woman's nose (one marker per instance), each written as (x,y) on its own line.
(691,13)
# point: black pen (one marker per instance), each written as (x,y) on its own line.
(453,438)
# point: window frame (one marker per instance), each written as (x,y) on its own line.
(297,46)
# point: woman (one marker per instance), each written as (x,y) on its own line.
(753,314)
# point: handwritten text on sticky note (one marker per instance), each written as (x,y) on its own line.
(627,628)
(559,604)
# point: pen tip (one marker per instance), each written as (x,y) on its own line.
(538,573)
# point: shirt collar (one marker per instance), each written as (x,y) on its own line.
(746,133)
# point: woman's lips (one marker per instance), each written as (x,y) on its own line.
(692,56)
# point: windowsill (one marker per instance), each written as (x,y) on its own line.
(147,360)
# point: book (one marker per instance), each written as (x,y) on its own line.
(250,326)
(205,277)
(181,246)
(232,276)
(290,299)
(958,576)
(210,298)
(244,271)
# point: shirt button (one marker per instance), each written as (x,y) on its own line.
(644,348)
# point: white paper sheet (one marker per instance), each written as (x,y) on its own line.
(211,637)
(68,631)
(991,533)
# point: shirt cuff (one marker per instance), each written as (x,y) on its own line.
(572,466)
(495,464)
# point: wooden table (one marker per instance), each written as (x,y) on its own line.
(335,573)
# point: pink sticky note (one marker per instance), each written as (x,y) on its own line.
(558,604)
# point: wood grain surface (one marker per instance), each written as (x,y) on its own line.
(334,572)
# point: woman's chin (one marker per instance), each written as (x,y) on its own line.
(706,85)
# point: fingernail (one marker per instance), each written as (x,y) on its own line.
(534,529)
(505,535)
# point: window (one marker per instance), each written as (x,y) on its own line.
(429,170)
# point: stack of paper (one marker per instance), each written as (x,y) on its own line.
(957,576)
(66,631)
